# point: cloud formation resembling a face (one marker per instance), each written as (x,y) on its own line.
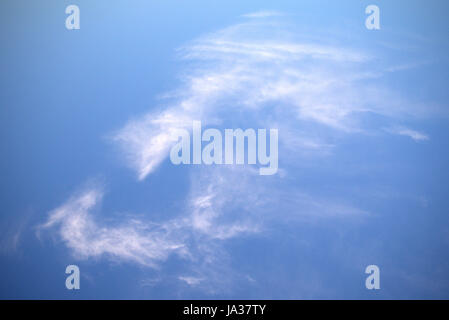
(257,73)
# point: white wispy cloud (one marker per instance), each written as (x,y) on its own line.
(263,14)
(142,241)
(10,240)
(146,142)
(133,240)
(220,202)
(413,134)
(191,281)
(231,200)
(290,81)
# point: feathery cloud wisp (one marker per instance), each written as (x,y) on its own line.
(285,80)
(133,241)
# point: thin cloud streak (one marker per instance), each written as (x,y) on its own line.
(413,134)
(263,14)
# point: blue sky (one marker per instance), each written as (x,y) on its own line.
(363,129)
